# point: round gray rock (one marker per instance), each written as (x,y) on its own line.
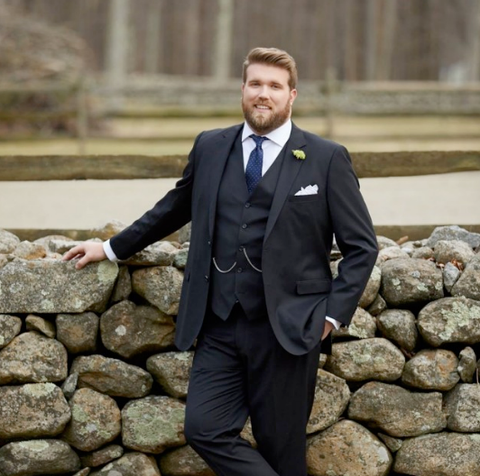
(408,280)
(9,328)
(468,284)
(131,464)
(396,411)
(450,276)
(32,411)
(172,371)
(446,454)
(129,330)
(78,332)
(377,306)
(70,385)
(123,286)
(32,357)
(37,323)
(366,359)
(467,365)
(399,326)
(432,369)
(453,250)
(184,462)
(152,424)
(30,251)
(38,457)
(181,256)
(384,242)
(102,456)
(455,319)
(160,286)
(8,242)
(331,399)
(161,253)
(463,408)
(453,232)
(362,326)
(393,444)
(372,288)
(393,252)
(424,252)
(95,420)
(112,376)
(23,287)
(347,448)
(108,230)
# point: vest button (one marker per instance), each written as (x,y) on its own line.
(240,249)
(244,226)
(239,270)
(206,278)
(247,205)
(209,243)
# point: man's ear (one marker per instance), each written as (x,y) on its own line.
(293,95)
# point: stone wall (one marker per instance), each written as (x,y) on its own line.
(90,382)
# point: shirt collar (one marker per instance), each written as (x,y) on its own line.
(280,135)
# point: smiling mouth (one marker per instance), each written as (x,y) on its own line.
(262,107)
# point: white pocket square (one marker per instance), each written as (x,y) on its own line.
(308,190)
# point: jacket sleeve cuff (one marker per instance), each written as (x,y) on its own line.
(335,323)
(109,252)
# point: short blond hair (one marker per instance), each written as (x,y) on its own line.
(274,57)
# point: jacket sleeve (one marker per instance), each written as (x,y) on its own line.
(168,215)
(354,234)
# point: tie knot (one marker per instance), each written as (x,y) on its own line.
(258,139)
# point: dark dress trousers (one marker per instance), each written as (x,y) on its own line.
(259,332)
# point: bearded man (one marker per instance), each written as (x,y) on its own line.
(265,199)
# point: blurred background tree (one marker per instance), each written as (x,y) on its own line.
(414,40)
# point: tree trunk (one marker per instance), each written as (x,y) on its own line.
(475,42)
(152,41)
(223,41)
(117,47)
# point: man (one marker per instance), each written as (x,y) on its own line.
(265,199)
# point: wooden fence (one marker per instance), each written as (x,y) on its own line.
(366,164)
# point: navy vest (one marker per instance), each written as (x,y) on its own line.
(240,224)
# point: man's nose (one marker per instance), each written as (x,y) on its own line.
(264,93)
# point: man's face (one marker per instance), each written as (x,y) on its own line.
(266,97)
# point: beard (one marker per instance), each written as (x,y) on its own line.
(263,124)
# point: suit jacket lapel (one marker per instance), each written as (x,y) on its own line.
(221,149)
(290,168)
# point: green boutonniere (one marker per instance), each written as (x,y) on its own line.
(299,154)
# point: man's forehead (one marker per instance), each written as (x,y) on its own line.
(267,72)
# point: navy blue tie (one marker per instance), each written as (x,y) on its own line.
(253,172)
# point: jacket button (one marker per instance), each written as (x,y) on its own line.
(239,270)
(244,226)
(247,205)
(209,243)
(206,278)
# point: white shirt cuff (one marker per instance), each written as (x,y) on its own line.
(109,252)
(335,323)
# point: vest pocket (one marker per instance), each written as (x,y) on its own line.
(313,286)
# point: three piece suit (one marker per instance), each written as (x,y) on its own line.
(257,289)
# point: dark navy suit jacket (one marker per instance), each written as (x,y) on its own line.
(299,289)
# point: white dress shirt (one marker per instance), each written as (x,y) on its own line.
(271,148)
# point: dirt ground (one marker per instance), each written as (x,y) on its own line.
(431,199)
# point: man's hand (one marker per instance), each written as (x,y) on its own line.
(327,329)
(89,251)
